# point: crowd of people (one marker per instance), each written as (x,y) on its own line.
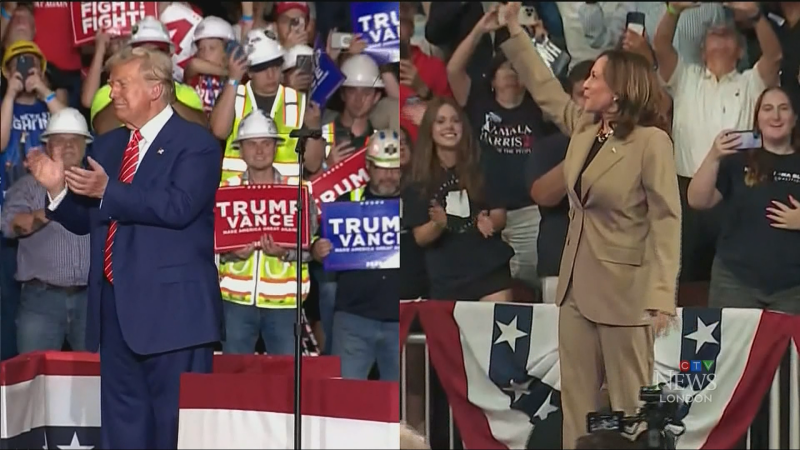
(604,156)
(244,85)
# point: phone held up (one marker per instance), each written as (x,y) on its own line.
(750,139)
(635,22)
(527,15)
(24,65)
(341,41)
(233,47)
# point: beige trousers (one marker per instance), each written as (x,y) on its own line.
(590,353)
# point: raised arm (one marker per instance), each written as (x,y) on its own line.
(460,81)
(545,89)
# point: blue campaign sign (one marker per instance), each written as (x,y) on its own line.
(364,235)
(378,23)
(327,78)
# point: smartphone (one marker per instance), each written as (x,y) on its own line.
(341,41)
(604,421)
(235,48)
(527,16)
(635,22)
(750,139)
(24,65)
(305,64)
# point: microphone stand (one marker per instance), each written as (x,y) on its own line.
(302,136)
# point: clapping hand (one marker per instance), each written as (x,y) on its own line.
(784,216)
(269,247)
(437,215)
(485,225)
(91,183)
(48,171)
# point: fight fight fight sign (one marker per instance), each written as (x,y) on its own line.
(245,213)
(117,18)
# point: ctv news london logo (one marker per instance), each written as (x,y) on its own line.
(694,382)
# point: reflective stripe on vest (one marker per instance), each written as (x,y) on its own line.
(357,195)
(329,134)
(288,111)
(277,281)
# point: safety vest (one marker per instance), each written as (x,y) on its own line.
(263,280)
(357,195)
(288,112)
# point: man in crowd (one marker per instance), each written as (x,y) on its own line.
(147,202)
(366,322)
(259,282)
(262,63)
(52,263)
(708,98)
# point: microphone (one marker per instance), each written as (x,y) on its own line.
(304,133)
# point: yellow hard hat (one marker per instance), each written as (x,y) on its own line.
(22,48)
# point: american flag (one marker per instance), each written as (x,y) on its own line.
(498,363)
(52,400)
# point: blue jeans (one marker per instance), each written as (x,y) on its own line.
(244,323)
(47,315)
(9,298)
(359,342)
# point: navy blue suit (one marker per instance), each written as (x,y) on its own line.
(164,311)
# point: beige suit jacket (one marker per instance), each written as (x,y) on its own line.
(622,254)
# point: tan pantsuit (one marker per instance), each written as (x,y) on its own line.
(622,254)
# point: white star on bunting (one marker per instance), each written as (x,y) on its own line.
(704,334)
(509,333)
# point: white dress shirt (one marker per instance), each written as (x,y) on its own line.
(149,132)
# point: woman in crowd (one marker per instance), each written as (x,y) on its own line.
(453,214)
(619,268)
(508,124)
(758,255)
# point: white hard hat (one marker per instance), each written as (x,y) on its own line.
(361,71)
(262,48)
(213,27)
(67,121)
(290,58)
(256,125)
(150,30)
(383,149)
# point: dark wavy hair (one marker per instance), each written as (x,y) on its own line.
(426,169)
(758,167)
(639,95)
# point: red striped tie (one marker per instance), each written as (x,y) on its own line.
(130,159)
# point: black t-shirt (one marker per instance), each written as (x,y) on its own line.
(506,137)
(762,256)
(413,271)
(547,154)
(461,255)
(369,293)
